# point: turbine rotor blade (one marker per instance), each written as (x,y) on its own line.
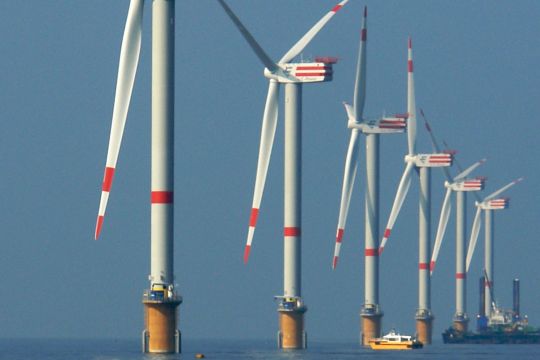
(504,188)
(441,228)
(435,144)
(306,39)
(402,191)
(467,171)
(477,224)
(360,83)
(351,166)
(127,68)
(261,54)
(268,132)
(411,103)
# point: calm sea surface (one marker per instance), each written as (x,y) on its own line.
(230,349)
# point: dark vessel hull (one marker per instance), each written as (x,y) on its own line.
(450,336)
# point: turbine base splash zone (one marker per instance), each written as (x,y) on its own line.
(161,334)
(460,324)
(424,329)
(371,325)
(291,334)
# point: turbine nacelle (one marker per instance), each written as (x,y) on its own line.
(467,185)
(384,125)
(388,125)
(430,160)
(495,204)
(301,73)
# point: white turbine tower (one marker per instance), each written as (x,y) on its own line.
(423,163)
(293,75)
(490,203)
(371,312)
(161,301)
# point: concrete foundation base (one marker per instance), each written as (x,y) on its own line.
(291,334)
(424,330)
(371,328)
(161,334)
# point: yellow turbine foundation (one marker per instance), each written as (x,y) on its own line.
(460,326)
(291,328)
(371,328)
(424,330)
(161,326)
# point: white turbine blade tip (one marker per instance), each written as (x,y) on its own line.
(306,39)
(334,262)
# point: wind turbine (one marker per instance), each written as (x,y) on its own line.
(371,312)
(412,159)
(460,185)
(423,163)
(488,204)
(291,307)
(161,300)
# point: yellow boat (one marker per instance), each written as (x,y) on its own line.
(395,341)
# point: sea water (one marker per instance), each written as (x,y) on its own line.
(54,349)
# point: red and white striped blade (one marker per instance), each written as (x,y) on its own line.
(351,166)
(268,132)
(411,104)
(441,228)
(468,170)
(501,190)
(360,83)
(477,224)
(129,60)
(261,54)
(402,191)
(306,39)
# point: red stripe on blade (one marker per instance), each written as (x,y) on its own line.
(246,253)
(410,66)
(339,235)
(461,275)
(336,8)
(253,217)
(387,233)
(432,266)
(99,224)
(162,197)
(423,266)
(291,231)
(364,34)
(107,179)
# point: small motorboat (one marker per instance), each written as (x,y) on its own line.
(395,341)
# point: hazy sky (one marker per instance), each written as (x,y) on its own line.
(477,79)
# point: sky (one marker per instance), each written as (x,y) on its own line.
(477,79)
